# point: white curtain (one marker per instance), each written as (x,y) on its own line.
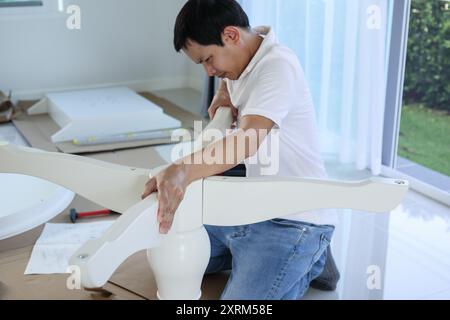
(343,48)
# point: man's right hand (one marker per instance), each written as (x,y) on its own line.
(222,99)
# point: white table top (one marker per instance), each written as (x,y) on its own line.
(27,202)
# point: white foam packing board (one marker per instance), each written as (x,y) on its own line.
(102,112)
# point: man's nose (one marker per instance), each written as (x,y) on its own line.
(209,70)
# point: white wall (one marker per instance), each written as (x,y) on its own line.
(120,42)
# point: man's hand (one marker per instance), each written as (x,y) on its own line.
(222,99)
(171,185)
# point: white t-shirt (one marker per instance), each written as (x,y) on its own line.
(273,86)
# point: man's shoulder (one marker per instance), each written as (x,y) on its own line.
(280,57)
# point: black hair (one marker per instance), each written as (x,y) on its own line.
(204,21)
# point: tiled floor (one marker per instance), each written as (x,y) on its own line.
(401,255)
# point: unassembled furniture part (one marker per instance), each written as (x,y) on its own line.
(180,258)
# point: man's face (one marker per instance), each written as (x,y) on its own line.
(223,62)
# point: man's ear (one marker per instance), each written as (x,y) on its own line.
(231,34)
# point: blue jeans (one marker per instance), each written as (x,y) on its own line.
(271,260)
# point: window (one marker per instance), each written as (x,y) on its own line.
(425,123)
(407,35)
(20,3)
(343,48)
(354,54)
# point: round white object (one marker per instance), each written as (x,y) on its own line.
(27,202)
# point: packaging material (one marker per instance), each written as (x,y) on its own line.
(8,111)
(38,129)
(104,115)
(58,242)
(15,286)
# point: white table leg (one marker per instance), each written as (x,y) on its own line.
(179,264)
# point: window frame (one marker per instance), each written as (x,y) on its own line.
(27,3)
(395,81)
(48,7)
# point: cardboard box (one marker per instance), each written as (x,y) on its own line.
(7,109)
(134,279)
(16,286)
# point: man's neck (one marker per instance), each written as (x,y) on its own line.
(253,41)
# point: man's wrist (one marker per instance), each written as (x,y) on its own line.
(222,93)
(186,171)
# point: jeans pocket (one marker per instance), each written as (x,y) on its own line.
(292,232)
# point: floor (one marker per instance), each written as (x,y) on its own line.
(401,255)
(186,98)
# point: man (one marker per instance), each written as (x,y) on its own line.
(264,84)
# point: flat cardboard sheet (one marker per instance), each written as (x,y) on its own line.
(15,286)
(133,280)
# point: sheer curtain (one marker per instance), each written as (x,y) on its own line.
(343,48)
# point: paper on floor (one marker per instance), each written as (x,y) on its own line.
(58,242)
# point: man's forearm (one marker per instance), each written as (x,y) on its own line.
(218,157)
(223,87)
(222,155)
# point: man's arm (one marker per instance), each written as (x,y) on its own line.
(230,151)
(220,156)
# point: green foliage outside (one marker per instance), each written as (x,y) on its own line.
(425,137)
(428,61)
(425,123)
